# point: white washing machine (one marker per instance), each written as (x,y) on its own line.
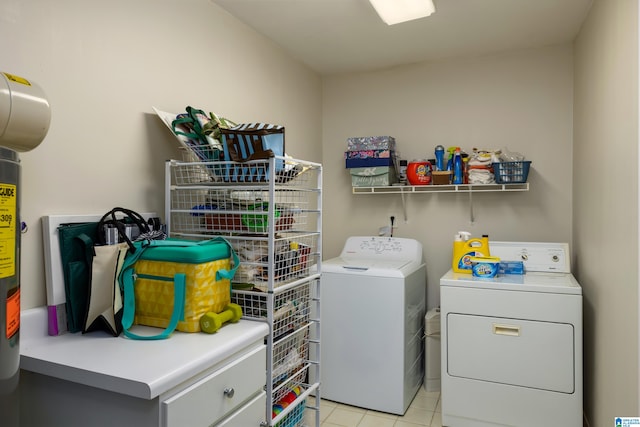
(512,345)
(372,316)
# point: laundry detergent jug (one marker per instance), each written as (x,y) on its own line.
(419,172)
(465,247)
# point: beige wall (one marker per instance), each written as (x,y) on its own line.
(520,100)
(605,213)
(103,65)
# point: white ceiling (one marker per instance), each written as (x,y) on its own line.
(338,36)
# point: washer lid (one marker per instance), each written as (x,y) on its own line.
(556,283)
(369,266)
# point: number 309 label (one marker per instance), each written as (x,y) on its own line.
(8,205)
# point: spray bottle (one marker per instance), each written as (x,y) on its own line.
(465,247)
(458,167)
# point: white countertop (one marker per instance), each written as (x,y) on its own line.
(143,369)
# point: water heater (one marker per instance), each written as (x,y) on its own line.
(24,113)
(24,122)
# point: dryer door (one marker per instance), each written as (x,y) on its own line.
(511,351)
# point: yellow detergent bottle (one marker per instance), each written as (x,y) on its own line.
(465,247)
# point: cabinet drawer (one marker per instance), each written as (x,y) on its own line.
(215,396)
(251,414)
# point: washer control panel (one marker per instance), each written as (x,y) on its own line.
(388,248)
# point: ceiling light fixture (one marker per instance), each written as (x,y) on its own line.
(398,11)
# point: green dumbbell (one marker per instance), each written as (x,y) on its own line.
(210,322)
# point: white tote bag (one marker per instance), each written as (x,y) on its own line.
(104,311)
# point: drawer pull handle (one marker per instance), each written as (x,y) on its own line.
(229,392)
(512,331)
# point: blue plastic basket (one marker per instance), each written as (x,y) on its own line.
(511,172)
(295,418)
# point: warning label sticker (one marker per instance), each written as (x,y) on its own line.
(13,314)
(8,220)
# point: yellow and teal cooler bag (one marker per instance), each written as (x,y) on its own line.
(171,283)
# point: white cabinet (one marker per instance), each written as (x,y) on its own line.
(270,211)
(218,394)
(251,414)
(98,380)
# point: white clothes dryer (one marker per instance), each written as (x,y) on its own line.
(372,323)
(512,345)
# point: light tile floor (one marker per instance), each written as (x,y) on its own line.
(425,410)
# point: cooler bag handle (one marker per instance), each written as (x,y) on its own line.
(179,286)
(127,279)
(222,273)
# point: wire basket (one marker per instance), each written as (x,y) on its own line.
(205,167)
(194,210)
(292,307)
(194,170)
(511,172)
(290,361)
(295,256)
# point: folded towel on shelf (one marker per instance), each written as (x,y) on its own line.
(481,176)
(480,161)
